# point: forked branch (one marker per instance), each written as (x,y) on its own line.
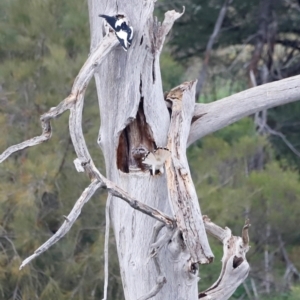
(79,86)
(69,221)
(170,17)
(235,267)
(74,102)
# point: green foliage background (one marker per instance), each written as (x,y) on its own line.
(42,46)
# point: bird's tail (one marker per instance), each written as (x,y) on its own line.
(103,16)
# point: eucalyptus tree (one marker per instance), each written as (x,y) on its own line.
(160,231)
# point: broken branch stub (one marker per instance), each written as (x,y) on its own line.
(235,267)
(170,17)
(182,194)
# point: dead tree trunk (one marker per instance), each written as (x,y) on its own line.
(136,118)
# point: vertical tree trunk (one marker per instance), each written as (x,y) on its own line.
(131,104)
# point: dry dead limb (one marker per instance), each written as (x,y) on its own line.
(284,139)
(66,226)
(75,102)
(106,242)
(291,269)
(182,194)
(98,182)
(235,267)
(263,127)
(212,38)
(155,246)
(80,84)
(213,116)
(170,17)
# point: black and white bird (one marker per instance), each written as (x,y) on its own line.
(157,159)
(123,31)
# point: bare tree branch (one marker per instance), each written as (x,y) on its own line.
(161,280)
(66,226)
(213,116)
(75,102)
(235,267)
(284,139)
(263,127)
(170,17)
(293,5)
(211,41)
(154,248)
(106,245)
(290,267)
(182,194)
(80,84)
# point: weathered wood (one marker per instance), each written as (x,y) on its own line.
(84,162)
(235,267)
(182,194)
(213,116)
(134,118)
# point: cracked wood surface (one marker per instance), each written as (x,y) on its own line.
(182,194)
(235,267)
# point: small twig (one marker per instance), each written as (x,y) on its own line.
(158,226)
(80,84)
(157,244)
(11,243)
(245,233)
(260,117)
(284,139)
(15,294)
(254,289)
(161,280)
(46,135)
(154,249)
(247,290)
(244,45)
(290,267)
(170,17)
(114,190)
(106,244)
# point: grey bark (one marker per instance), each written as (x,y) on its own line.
(213,116)
(135,118)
